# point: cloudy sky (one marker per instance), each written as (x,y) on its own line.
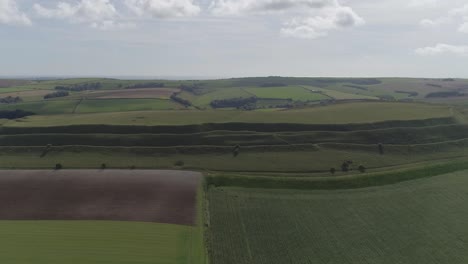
(229,38)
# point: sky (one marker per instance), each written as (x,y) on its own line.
(234,38)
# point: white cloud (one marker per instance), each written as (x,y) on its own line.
(164,8)
(454,16)
(10,14)
(463,28)
(461,11)
(240,7)
(83,11)
(443,49)
(318,26)
(313,18)
(435,22)
(111,25)
(423,3)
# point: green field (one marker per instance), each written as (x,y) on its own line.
(334,114)
(50,107)
(58,242)
(422,221)
(270,194)
(124,105)
(296,93)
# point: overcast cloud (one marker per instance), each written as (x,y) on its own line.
(234,37)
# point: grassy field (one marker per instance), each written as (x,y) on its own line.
(124,105)
(204,100)
(292,159)
(98,242)
(334,114)
(50,107)
(297,93)
(423,221)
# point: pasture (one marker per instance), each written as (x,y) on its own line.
(346,113)
(98,242)
(422,221)
(296,93)
(125,105)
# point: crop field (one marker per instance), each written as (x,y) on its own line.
(422,221)
(375,171)
(298,93)
(143,93)
(111,216)
(125,105)
(337,95)
(340,113)
(98,242)
(44,107)
(144,196)
(204,100)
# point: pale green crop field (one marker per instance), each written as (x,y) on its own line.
(123,105)
(297,93)
(98,242)
(417,222)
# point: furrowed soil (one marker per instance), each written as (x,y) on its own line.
(120,195)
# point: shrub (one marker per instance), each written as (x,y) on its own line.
(333,171)
(58,166)
(103,166)
(362,169)
(179,163)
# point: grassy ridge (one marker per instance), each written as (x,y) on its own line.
(347,113)
(243,138)
(418,222)
(283,158)
(58,242)
(339,182)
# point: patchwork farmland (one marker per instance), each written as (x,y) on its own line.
(92,201)
(242,170)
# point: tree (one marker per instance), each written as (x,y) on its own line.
(345,167)
(381,149)
(333,171)
(362,169)
(236,150)
(58,166)
(179,163)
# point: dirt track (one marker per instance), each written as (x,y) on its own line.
(122,195)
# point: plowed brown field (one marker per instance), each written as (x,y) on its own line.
(122,195)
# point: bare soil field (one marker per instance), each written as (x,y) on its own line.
(8,83)
(31,93)
(143,93)
(120,195)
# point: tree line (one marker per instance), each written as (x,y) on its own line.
(56,94)
(14,114)
(239,103)
(146,85)
(10,100)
